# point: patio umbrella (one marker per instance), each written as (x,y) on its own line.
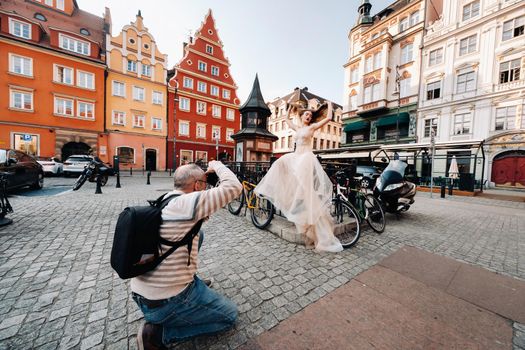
(453,171)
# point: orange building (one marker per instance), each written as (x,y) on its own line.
(51,79)
(136,97)
(207,110)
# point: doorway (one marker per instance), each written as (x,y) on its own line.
(151,159)
(508,169)
(74,148)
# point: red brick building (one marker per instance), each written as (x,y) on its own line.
(203,108)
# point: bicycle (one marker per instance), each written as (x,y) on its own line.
(262,211)
(362,207)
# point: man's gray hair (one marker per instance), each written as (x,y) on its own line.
(186,174)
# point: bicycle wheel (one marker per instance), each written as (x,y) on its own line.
(263,212)
(375,214)
(235,206)
(348,228)
(80,181)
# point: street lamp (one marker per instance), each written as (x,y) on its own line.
(175,100)
(216,135)
(397,91)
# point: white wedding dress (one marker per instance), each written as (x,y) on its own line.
(298,185)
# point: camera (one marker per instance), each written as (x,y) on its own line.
(212,179)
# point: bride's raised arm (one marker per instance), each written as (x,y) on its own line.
(291,125)
(328,118)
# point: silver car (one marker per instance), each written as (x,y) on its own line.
(75,164)
(51,165)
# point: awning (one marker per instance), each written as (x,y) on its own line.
(356,125)
(391,119)
(344,155)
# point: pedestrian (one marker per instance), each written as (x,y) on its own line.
(178,305)
(297,185)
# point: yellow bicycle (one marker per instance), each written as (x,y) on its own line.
(262,210)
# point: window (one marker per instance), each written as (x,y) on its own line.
(406,53)
(201,155)
(202,66)
(184,103)
(214,90)
(84,31)
(119,89)
(468,45)
(230,114)
(209,49)
(354,75)
(471,10)
(74,45)
(509,71)
(216,111)
(40,17)
(19,29)
(404,87)
(216,132)
(157,97)
(430,124)
(85,80)
(513,28)
(49,2)
(368,64)
(434,90)
(215,71)
(156,123)
(201,130)
(435,57)
(414,18)
(226,94)
(138,93)
(466,82)
(60,4)
(126,155)
(462,124)
(377,60)
(132,66)
(85,110)
(229,133)
(353,102)
(138,120)
(21,65)
(27,143)
(184,128)
(21,100)
(201,107)
(371,93)
(146,70)
(403,24)
(187,83)
(118,118)
(63,106)
(64,75)
(201,86)
(505,118)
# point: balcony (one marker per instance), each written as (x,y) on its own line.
(516,84)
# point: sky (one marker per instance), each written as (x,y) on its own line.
(288,43)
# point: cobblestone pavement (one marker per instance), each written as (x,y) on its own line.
(58,291)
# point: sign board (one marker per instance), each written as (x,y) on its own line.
(27,137)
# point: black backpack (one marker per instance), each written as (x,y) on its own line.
(136,244)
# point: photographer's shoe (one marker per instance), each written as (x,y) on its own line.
(149,337)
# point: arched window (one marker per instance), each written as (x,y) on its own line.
(126,155)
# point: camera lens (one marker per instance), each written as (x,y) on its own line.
(212,179)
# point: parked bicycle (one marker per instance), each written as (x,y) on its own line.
(351,207)
(95,168)
(262,210)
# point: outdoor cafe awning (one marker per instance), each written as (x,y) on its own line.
(392,119)
(345,155)
(356,125)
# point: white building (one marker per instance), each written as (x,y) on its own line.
(472,89)
(327,138)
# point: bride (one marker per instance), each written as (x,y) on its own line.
(297,184)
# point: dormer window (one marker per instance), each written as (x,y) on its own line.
(19,29)
(74,45)
(84,31)
(40,17)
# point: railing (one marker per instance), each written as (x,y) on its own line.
(510,85)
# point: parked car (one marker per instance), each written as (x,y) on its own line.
(21,169)
(51,165)
(75,164)
(369,175)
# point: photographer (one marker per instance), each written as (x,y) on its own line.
(178,305)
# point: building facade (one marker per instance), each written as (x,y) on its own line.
(328,137)
(473,87)
(52,79)
(205,107)
(382,76)
(136,97)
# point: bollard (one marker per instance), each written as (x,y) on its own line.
(443,191)
(450,189)
(99,184)
(130,170)
(170,172)
(118,180)
(148,182)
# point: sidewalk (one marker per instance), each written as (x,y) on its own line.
(410,300)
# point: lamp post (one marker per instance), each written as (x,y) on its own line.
(397,92)
(216,145)
(175,100)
